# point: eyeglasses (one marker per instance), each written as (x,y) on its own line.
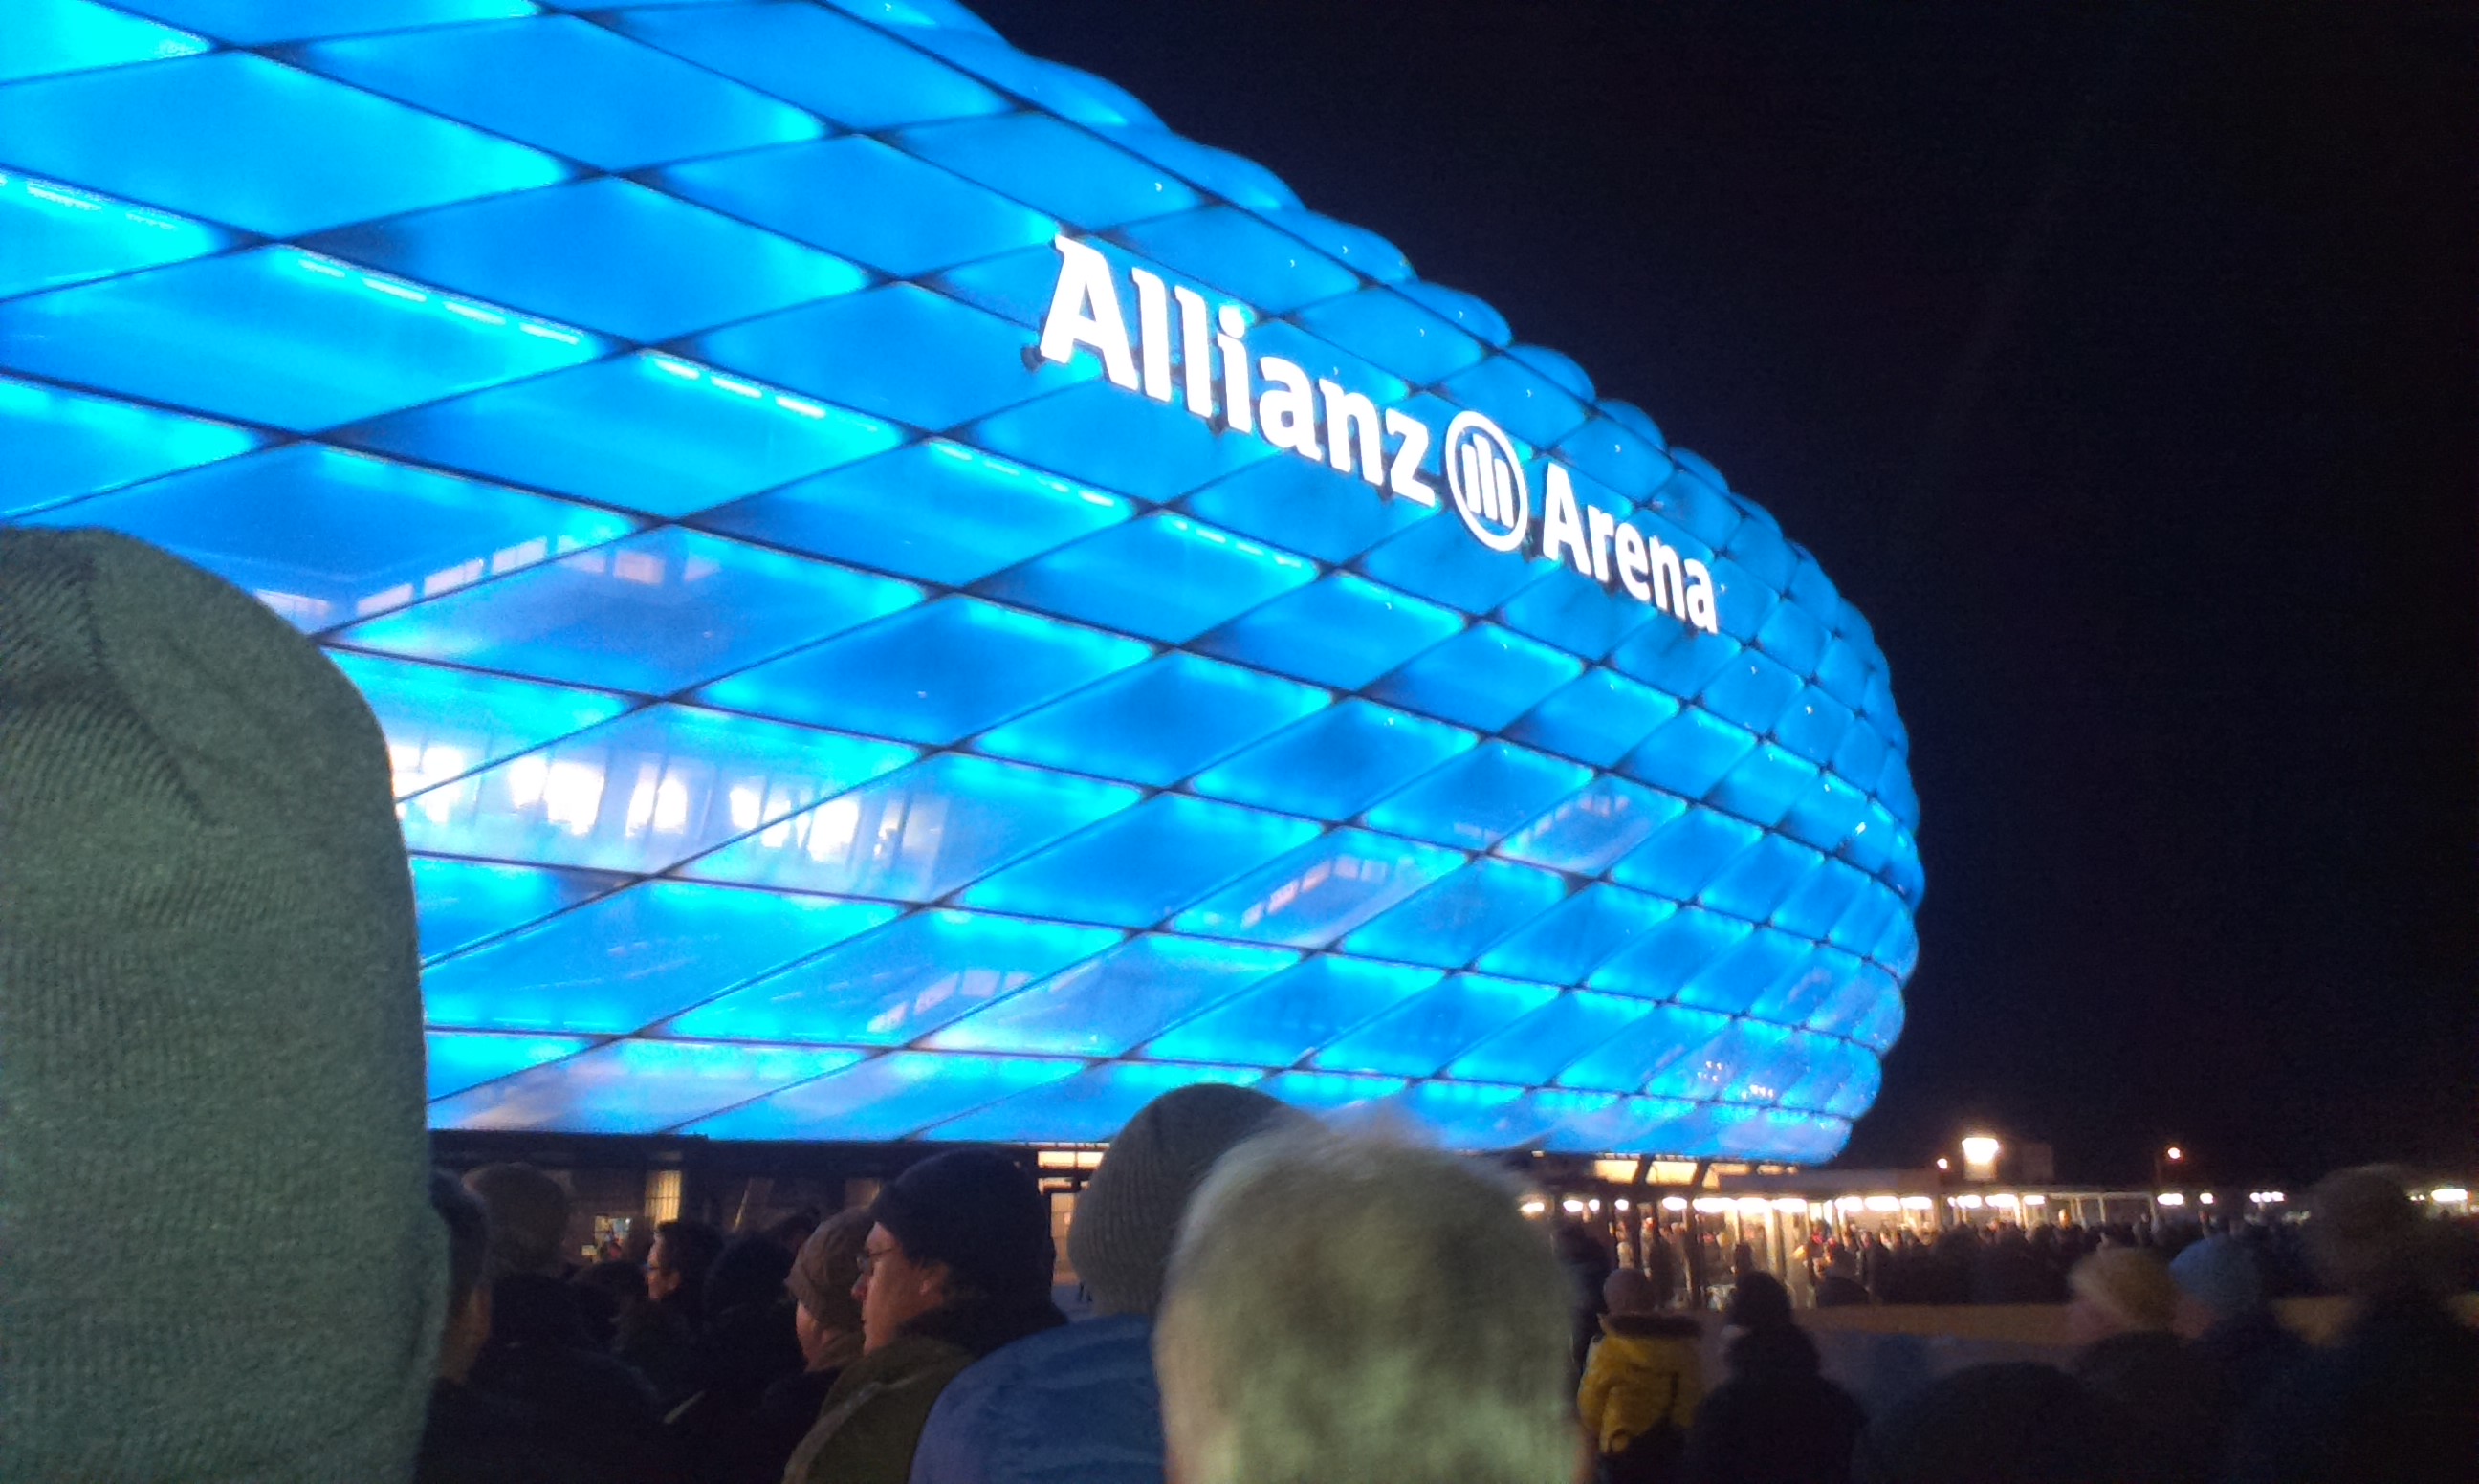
(871,1257)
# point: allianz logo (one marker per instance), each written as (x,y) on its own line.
(1202,362)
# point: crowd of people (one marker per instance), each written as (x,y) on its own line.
(224,1255)
(2181,1371)
(1998,1261)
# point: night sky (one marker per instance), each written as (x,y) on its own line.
(2120,365)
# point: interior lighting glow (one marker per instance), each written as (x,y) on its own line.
(1918,1203)
(2449,1196)
(1791,1204)
(2173,1198)
(1572,1206)
(1967,1202)
(1885,1203)
(1711,1206)
(2035,1200)
(1674,1203)
(2206,1197)
(2005,1202)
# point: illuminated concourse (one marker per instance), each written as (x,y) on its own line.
(908,601)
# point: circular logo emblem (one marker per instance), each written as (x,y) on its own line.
(1490,491)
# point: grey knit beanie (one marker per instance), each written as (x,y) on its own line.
(210,1041)
(1128,1217)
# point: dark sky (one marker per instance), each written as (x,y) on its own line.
(2120,365)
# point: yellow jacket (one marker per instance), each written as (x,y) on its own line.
(1643,1368)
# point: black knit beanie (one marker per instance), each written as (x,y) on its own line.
(979,1213)
(1129,1215)
(210,1041)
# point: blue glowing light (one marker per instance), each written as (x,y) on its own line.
(64,444)
(324,536)
(604,254)
(246,143)
(655,614)
(52,234)
(646,432)
(71,35)
(569,67)
(935,510)
(819,710)
(644,792)
(280,337)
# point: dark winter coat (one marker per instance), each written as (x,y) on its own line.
(2396,1399)
(659,1342)
(1776,1420)
(2248,1354)
(743,1351)
(468,1437)
(2012,1423)
(784,1415)
(592,1406)
(2170,1397)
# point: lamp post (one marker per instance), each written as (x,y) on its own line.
(2169,1162)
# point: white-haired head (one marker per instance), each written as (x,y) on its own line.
(1349,1307)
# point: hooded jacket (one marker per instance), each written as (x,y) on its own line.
(1646,1368)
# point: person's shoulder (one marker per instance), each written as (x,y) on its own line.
(1113,1352)
(1652,1327)
(1078,1402)
(900,1362)
(1068,1352)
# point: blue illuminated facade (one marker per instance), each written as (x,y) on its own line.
(816,713)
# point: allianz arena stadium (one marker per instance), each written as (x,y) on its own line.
(910,602)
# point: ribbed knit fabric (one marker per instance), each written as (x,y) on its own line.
(1129,1215)
(978,1211)
(210,1057)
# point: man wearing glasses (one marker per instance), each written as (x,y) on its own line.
(957,1264)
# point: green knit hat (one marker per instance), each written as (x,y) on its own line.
(1128,1217)
(210,1051)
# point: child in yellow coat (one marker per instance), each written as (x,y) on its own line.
(1641,1383)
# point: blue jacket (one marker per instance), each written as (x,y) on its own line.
(1077,1405)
